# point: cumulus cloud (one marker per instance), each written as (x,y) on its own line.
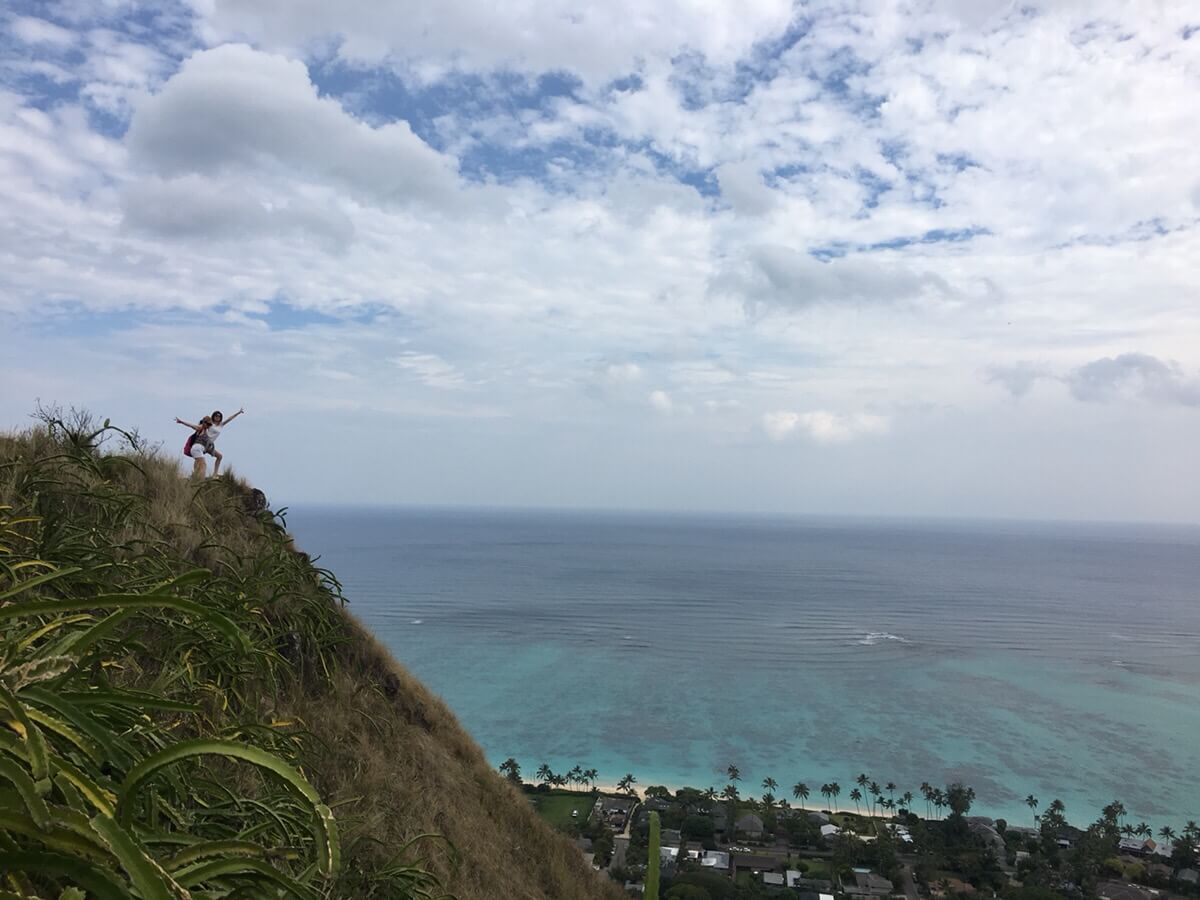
(742,186)
(822,426)
(1133,374)
(1018,378)
(430,369)
(33,30)
(622,373)
(774,276)
(224,208)
(595,41)
(236,108)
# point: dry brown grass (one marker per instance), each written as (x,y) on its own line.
(388,755)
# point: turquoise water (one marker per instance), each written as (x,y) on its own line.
(1061,661)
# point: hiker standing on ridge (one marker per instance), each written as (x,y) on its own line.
(214,431)
(204,440)
(198,443)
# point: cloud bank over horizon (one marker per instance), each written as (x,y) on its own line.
(926,257)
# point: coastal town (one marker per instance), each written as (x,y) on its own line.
(721,845)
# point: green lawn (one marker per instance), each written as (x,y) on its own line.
(555,807)
(816,868)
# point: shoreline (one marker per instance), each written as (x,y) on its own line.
(610,789)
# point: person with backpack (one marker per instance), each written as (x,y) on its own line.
(198,443)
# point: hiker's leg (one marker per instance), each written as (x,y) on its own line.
(217,465)
(200,469)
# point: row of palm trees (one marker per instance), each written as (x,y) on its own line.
(868,793)
(1113,814)
(576,775)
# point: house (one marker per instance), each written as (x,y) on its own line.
(668,857)
(828,831)
(1120,890)
(773,879)
(991,837)
(750,825)
(1135,845)
(901,833)
(711,859)
(819,817)
(866,884)
(755,862)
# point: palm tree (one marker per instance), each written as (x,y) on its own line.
(768,801)
(545,773)
(576,774)
(835,789)
(1144,830)
(625,785)
(873,787)
(511,769)
(1128,830)
(800,792)
(856,796)
(826,792)
(591,775)
(927,793)
(890,787)
(863,779)
(1167,833)
(710,793)
(1032,802)
(907,800)
(734,773)
(769,784)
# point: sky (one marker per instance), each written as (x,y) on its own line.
(937,257)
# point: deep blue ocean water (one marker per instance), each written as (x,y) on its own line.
(1057,660)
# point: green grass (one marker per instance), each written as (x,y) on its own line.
(816,868)
(555,807)
(185,706)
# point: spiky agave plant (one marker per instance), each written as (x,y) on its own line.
(98,791)
(131,761)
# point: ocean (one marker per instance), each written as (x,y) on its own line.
(1056,660)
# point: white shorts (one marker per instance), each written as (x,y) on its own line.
(197,451)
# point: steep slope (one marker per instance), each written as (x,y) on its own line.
(309,685)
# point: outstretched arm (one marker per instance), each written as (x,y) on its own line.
(234,416)
(188,424)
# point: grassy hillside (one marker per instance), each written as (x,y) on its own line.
(186,705)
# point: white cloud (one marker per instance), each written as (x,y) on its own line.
(822,426)
(774,276)
(430,369)
(1133,374)
(896,196)
(1017,378)
(33,30)
(661,401)
(236,108)
(429,37)
(623,373)
(781,423)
